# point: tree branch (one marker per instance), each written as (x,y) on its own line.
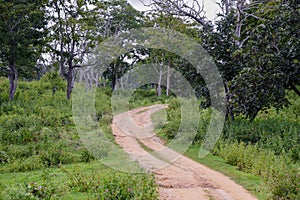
(295,89)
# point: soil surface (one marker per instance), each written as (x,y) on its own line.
(177,176)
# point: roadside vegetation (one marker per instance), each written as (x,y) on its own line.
(47,46)
(42,156)
(268,148)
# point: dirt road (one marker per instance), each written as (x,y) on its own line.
(183,179)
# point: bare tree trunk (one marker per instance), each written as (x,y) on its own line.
(227,7)
(114,76)
(239,6)
(97,80)
(13,80)
(159,81)
(168,81)
(87,81)
(81,74)
(70,80)
(169,74)
(229,109)
(103,80)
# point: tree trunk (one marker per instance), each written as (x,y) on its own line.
(295,89)
(168,81)
(169,74)
(239,7)
(159,81)
(229,109)
(13,80)
(226,5)
(114,76)
(70,80)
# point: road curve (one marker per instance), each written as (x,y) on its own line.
(184,179)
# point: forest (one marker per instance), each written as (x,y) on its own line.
(250,66)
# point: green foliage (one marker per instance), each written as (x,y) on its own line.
(173,120)
(270,55)
(250,182)
(37,132)
(55,81)
(24,164)
(267,147)
(275,134)
(114,185)
(254,92)
(37,129)
(280,176)
(145,97)
(95,184)
(4,158)
(22,34)
(31,191)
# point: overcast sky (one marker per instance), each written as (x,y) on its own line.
(210,6)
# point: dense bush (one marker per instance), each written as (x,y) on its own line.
(279,173)
(109,185)
(277,134)
(112,185)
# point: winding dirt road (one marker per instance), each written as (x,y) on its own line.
(183,179)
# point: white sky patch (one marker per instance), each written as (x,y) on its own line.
(211,8)
(138,5)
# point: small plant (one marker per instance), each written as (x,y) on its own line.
(4,158)
(86,156)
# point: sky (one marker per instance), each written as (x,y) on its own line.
(210,7)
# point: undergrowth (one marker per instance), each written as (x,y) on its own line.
(37,133)
(267,147)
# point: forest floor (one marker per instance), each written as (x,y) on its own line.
(178,177)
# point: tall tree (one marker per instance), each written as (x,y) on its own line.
(73,34)
(78,25)
(272,58)
(22,30)
(118,16)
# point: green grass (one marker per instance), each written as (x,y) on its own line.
(250,182)
(79,181)
(39,144)
(43,157)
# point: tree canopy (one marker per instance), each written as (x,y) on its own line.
(22,32)
(255,44)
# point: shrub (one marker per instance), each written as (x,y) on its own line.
(57,154)
(114,185)
(283,183)
(279,174)
(4,158)
(31,191)
(22,165)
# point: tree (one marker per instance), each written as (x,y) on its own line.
(22,30)
(255,45)
(272,58)
(220,40)
(77,27)
(181,8)
(116,16)
(73,34)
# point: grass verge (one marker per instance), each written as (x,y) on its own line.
(250,182)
